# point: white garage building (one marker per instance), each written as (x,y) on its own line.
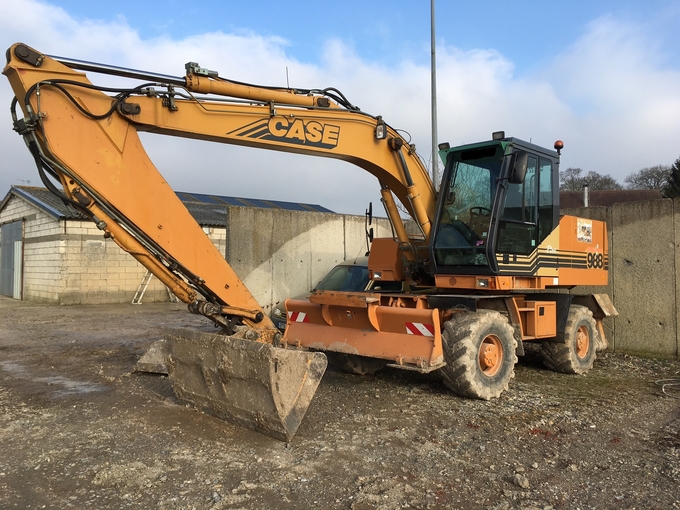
(49,252)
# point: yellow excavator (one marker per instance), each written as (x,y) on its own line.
(483,271)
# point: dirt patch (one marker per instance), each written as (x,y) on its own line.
(79,430)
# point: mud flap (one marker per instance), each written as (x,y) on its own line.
(251,384)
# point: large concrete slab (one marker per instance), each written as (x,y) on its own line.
(644,283)
(280,254)
(676,249)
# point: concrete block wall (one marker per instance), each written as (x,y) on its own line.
(643,256)
(70,262)
(96,271)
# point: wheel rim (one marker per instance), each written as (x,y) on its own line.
(491,355)
(582,342)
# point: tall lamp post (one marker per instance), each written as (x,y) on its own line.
(435,150)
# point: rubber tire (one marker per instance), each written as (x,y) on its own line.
(561,353)
(462,339)
(354,364)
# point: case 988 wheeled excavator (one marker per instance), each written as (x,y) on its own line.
(483,270)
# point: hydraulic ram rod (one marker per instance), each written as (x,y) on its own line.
(124,72)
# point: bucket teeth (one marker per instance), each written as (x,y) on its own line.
(255,385)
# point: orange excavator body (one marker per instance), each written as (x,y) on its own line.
(489,247)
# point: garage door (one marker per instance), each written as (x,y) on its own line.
(11,258)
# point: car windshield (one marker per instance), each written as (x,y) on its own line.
(345,278)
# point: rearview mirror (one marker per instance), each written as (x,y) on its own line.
(518,171)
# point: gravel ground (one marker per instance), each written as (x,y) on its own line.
(79,430)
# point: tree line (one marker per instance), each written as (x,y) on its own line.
(662,177)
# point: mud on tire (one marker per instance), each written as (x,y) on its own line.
(479,348)
(574,351)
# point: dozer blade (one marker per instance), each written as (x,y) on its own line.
(255,385)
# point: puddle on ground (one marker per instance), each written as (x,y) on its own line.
(63,386)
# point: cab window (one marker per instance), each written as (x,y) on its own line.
(545,199)
(518,226)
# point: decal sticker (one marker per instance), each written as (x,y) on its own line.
(298,317)
(419,329)
(291,131)
(584,231)
(595,260)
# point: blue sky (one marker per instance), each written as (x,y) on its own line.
(527,32)
(604,76)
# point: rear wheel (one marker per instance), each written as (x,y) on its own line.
(354,364)
(479,348)
(574,351)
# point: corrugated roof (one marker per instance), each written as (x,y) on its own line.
(207,210)
(208,215)
(45,201)
(250,202)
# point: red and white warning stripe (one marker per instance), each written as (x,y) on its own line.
(420,329)
(298,317)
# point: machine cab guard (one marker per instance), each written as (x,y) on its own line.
(498,199)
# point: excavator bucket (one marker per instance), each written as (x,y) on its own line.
(251,384)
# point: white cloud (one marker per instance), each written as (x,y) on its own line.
(624,103)
(608,96)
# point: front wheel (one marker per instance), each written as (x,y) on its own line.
(574,350)
(479,348)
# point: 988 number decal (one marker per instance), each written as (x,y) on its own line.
(595,260)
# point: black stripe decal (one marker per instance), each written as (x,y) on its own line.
(541,259)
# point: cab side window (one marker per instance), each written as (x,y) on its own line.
(518,229)
(545,199)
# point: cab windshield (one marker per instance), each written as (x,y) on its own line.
(463,228)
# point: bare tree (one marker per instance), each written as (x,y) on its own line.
(572,180)
(653,177)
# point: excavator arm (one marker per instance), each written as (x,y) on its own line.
(86,137)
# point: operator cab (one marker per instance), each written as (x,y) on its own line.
(498,200)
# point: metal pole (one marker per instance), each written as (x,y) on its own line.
(435,150)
